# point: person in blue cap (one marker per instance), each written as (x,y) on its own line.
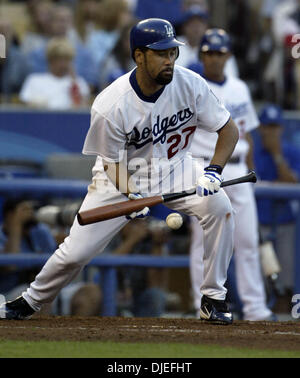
(234,93)
(278,156)
(194,26)
(277,160)
(194,23)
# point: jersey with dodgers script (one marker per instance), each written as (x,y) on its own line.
(236,97)
(161,126)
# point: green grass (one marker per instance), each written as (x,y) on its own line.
(80,349)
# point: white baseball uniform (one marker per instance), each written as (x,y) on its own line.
(234,94)
(127,125)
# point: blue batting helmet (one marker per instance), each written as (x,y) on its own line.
(271,114)
(153,33)
(215,40)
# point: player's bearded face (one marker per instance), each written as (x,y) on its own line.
(160,65)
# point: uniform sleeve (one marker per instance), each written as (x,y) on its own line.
(105,138)
(211,113)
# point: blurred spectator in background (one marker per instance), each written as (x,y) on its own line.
(280,73)
(243,24)
(277,160)
(86,301)
(62,23)
(104,31)
(266,46)
(144,288)
(40,18)
(193,26)
(286,19)
(189,3)
(119,61)
(59,88)
(79,298)
(13,68)
(86,18)
(291,79)
(62,26)
(21,233)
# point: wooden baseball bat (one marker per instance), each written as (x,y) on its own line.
(118,209)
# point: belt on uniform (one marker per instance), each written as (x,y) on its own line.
(233,160)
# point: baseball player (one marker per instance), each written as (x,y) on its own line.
(234,93)
(144,122)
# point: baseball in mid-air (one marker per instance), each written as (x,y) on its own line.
(174,221)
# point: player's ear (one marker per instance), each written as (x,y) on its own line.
(200,55)
(139,56)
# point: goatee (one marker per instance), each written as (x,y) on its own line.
(164,80)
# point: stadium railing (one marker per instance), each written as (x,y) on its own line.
(107,265)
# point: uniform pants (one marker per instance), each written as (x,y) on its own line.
(213,213)
(249,278)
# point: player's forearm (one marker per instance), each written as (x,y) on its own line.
(249,157)
(284,172)
(13,243)
(124,249)
(227,139)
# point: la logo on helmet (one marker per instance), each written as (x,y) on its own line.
(169,31)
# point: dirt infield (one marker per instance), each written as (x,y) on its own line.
(262,335)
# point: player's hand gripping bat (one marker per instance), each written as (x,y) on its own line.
(118,209)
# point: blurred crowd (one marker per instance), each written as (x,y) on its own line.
(60,54)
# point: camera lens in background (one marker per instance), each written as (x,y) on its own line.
(58,215)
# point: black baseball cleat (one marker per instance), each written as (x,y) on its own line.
(215,311)
(18,309)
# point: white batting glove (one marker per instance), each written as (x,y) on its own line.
(210,182)
(137,214)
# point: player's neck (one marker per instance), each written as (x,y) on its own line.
(217,78)
(147,85)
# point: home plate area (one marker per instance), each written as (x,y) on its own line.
(259,335)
